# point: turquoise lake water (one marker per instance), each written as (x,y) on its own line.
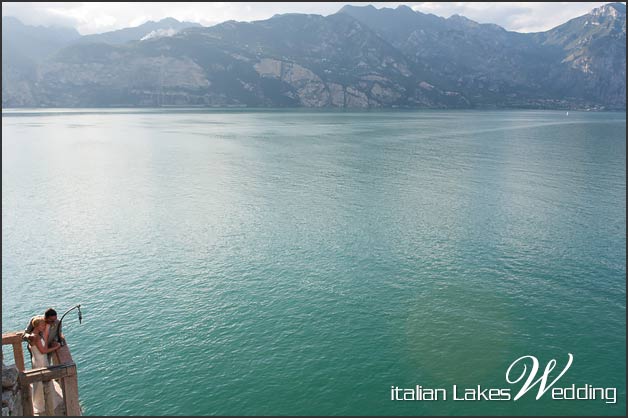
(303,262)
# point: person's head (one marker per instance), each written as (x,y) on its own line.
(39,323)
(50,315)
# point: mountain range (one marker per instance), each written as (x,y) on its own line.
(359,57)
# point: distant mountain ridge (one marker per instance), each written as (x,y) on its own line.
(360,57)
(118,37)
(497,66)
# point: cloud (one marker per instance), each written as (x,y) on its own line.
(44,14)
(90,18)
(160,33)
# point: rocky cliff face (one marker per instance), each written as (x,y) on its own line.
(360,57)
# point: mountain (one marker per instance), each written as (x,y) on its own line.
(164,27)
(359,57)
(593,47)
(493,66)
(34,43)
(23,49)
(288,60)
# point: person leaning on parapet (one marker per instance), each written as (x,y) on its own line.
(54,332)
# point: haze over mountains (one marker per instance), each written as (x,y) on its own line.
(360,57)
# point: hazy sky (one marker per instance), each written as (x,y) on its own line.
(102,17)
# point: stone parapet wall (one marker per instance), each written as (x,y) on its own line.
(11,394)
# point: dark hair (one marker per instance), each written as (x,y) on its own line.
(50,312)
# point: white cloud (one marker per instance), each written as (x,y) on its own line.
(160,33)
(90,18)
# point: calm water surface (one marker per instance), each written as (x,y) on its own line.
(295,262)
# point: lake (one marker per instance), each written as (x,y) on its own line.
(305,262)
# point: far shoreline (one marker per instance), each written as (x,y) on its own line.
(15,111)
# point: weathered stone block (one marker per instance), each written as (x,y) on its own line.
(9,377)
(17,410)
(8,399)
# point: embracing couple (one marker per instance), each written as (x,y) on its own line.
(44,337)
